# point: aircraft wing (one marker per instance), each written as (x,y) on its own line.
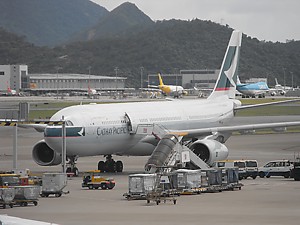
(11,220)
(239,128)
(266,104)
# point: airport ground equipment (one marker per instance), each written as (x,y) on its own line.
(140,185)
(93,180)
(163,190)
(26,194)
(296,171)
(187,181)
(7,196)
(251,168)
(53,184)
(231,163)
(9,179)
(276,168)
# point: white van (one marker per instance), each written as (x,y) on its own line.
(251,168)
(276,168)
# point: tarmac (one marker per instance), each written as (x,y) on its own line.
(261,201)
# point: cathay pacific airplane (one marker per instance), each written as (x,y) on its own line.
(253,89)
(112,129)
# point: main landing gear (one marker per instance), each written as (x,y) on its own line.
(72,166)
(110,165)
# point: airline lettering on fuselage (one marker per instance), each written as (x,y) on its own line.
(111,131)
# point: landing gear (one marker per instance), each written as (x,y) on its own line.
(72,166)
(110,165)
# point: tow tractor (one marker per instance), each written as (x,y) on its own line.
(93,180)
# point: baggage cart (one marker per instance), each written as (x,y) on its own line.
(187,181)
(7,196)
(140,185)
(26,194)
(53,184)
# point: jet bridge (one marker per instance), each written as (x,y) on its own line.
(170,152)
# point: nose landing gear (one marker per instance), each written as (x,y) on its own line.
(110,165)
(72,166)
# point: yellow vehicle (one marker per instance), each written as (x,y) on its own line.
(9,179)
(94,180)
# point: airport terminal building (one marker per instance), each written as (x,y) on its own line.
(188,79)
(17,78)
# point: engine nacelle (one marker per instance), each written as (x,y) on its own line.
(209,150)
(43,155)
(282,92)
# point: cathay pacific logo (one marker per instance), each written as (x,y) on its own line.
(229,67)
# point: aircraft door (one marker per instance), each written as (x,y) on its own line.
(130,127)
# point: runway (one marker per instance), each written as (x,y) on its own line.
(261,201)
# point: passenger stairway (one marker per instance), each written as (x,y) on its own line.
(170,153)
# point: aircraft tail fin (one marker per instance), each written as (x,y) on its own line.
(227,80)
(238,80)
(161,83)
(276,81)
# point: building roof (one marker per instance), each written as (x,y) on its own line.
(72,76)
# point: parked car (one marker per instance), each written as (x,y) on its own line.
(276,168)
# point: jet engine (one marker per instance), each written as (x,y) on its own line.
(43,155)
(209,150)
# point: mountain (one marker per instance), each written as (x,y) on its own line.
(125,19)
(166,46)
(49,22)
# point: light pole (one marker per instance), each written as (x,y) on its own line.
(57,68)
(142,68)
(116,70)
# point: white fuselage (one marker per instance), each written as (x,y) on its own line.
(105,126)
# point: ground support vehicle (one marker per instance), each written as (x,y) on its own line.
(276,168)
(94,180)
(296,171)
(26,194)
(7,196)
(53,184)
(251,169)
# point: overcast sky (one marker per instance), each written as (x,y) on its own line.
(270,20)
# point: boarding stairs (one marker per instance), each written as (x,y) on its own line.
(179,154)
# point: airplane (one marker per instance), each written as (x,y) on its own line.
(253,89)
(177,91)
(279,89)
(112,129)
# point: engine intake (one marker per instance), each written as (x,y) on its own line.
(209,150)
(43,155)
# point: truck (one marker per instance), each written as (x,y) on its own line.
(93,180)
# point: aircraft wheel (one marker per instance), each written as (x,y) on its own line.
(75,171)
(119,166)
(101,166)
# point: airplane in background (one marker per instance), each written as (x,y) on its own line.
(279,89)
(175,90)
(252,89)
(203,125)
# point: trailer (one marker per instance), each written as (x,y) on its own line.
(140,185)
(53,184)
(7,196)
(26,194)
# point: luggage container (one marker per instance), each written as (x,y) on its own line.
(140,185)
(26,194)
(53,184)
(7,196)
(187,181)
(212,179)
